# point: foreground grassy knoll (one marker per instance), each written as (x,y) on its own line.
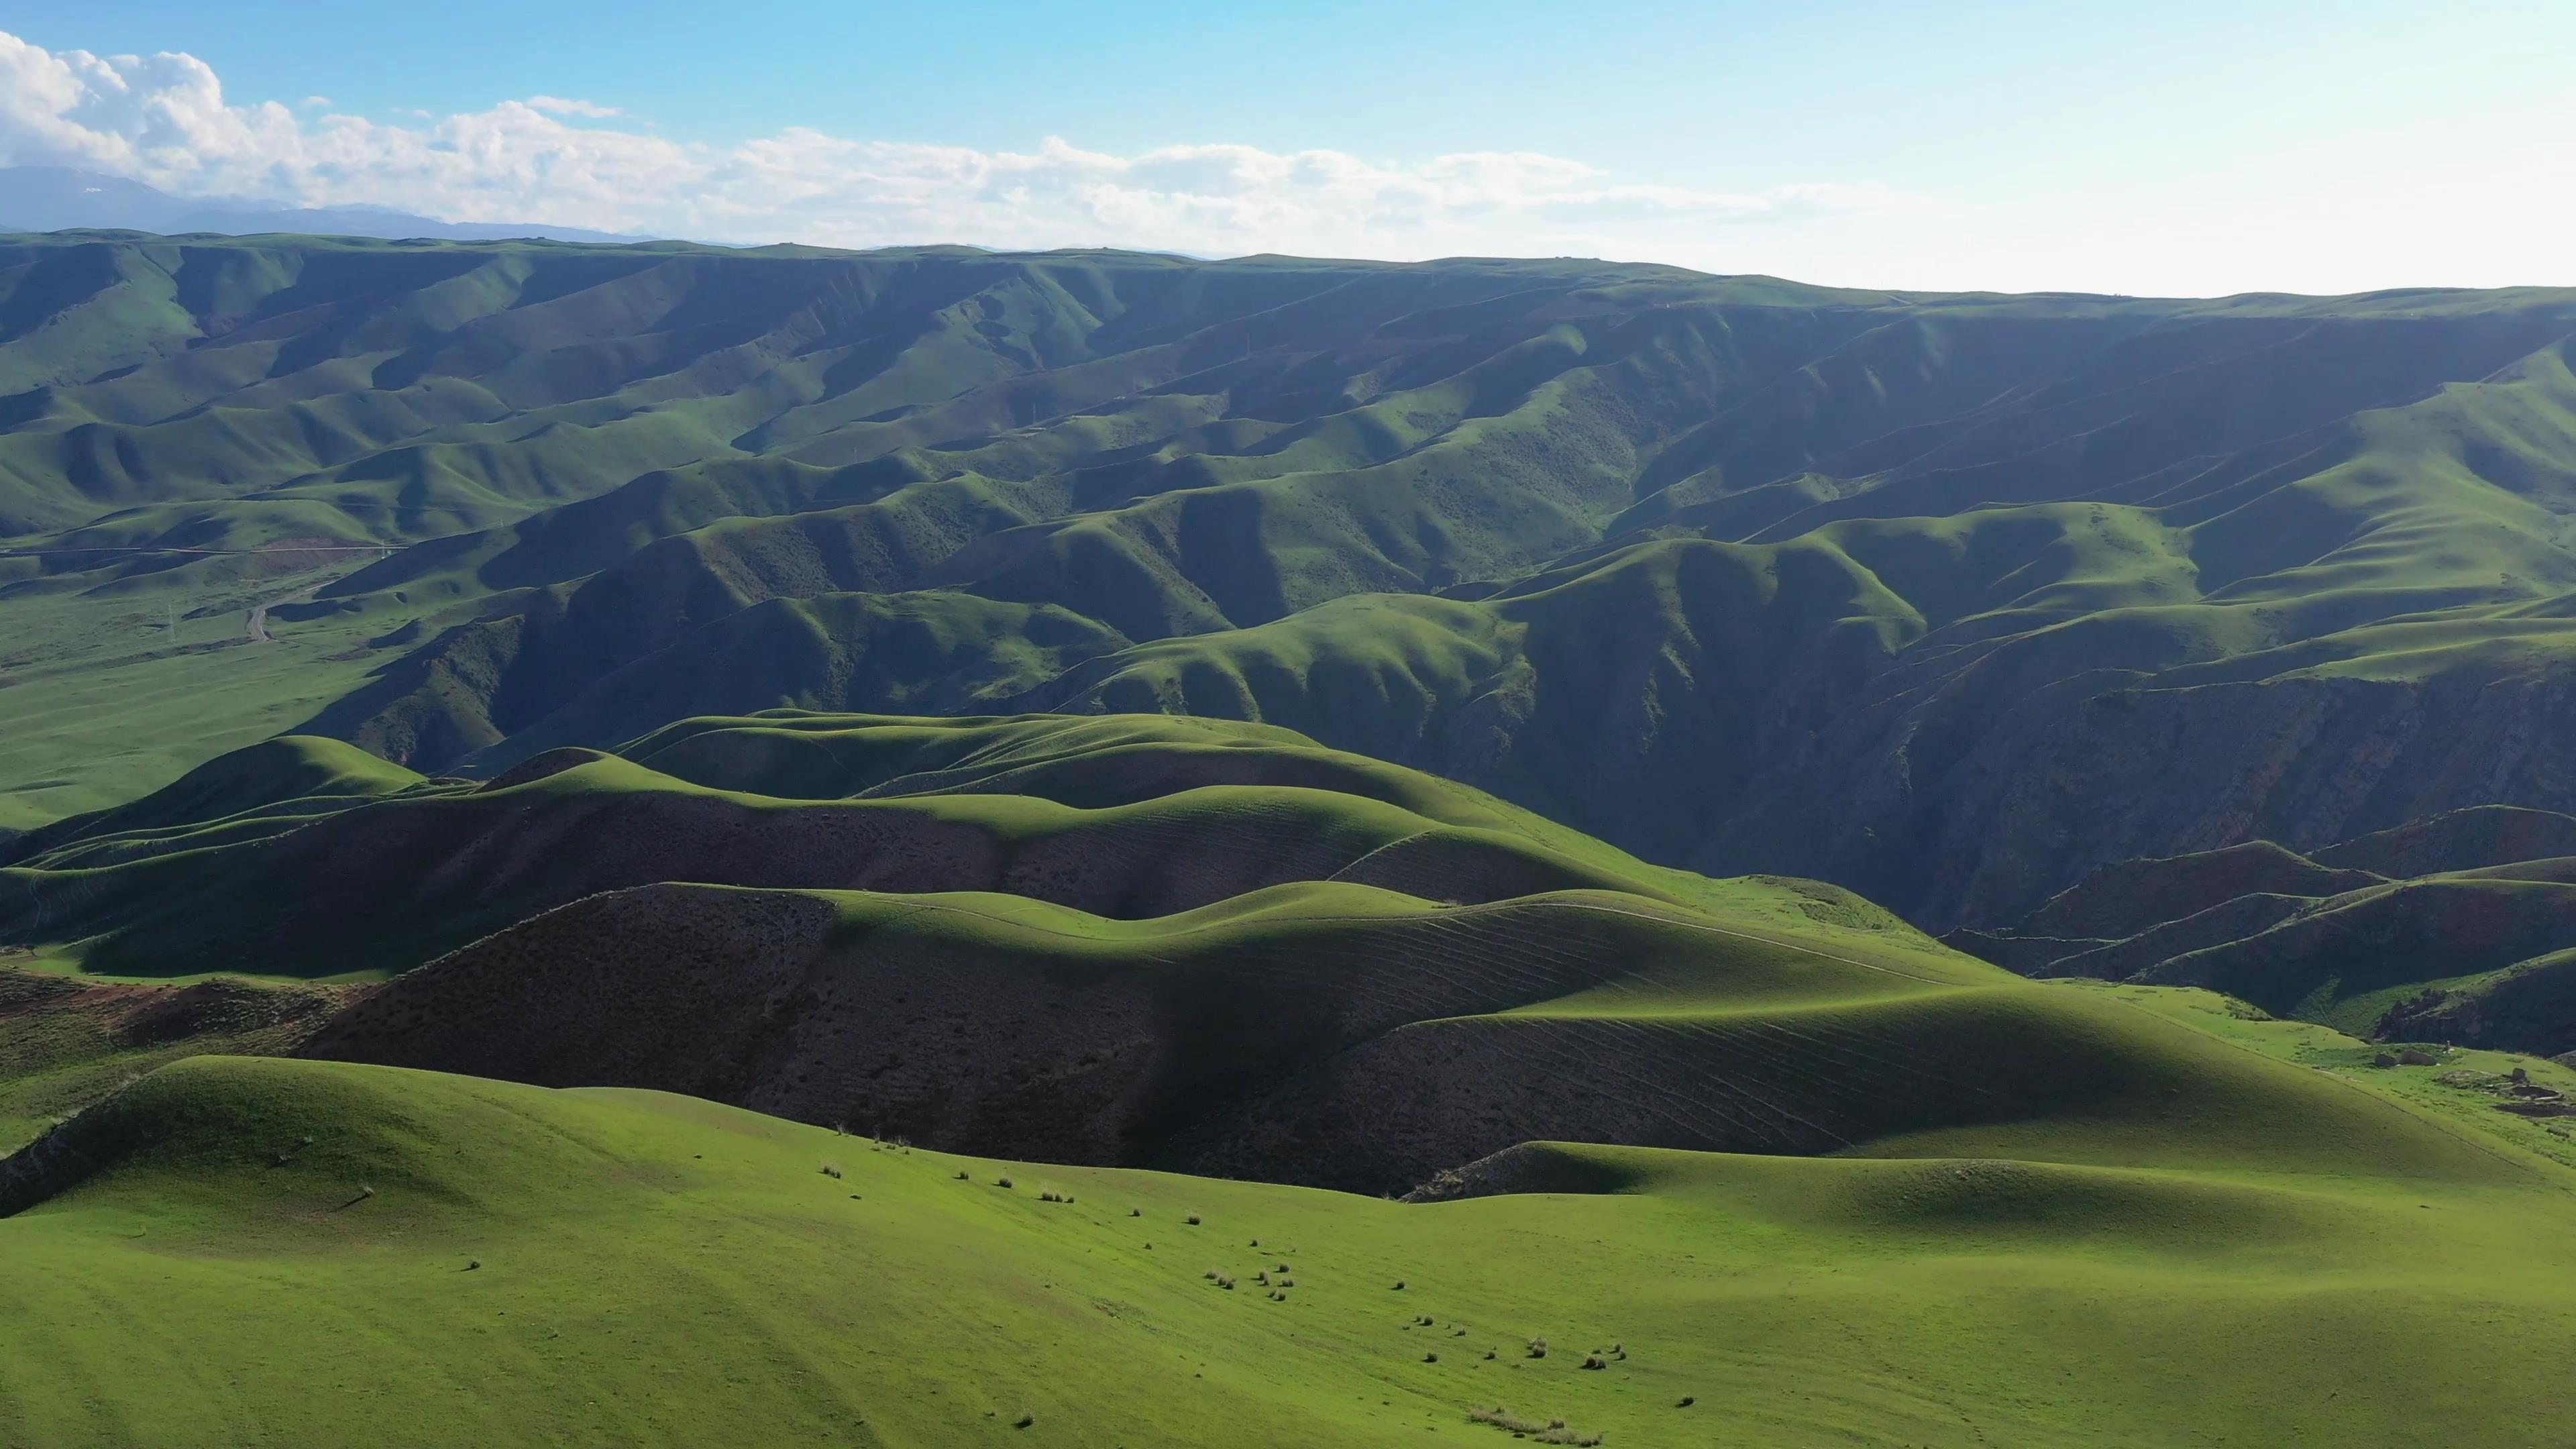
(246,1251)
(1648,551)
(2453,928)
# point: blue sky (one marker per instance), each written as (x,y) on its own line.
(2185,147)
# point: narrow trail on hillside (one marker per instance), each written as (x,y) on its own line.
(259,613)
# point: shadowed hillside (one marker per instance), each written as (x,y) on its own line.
(2451,928)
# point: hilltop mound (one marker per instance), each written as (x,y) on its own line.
(1119,819)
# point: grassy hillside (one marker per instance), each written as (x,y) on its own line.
(1648,551)
(252,1248)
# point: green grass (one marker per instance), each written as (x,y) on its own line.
(653,1268)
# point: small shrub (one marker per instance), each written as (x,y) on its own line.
(961,1174)
(473,1263)
(1192,1220)
(1538,1348)
(832,1170)
(1001,1182)
(1552,1432)
(1399,1285)
(1023,1421)
(1135,1212)
(1287,1283)
(1687,1401)
(1595,1361)
(1431,1358)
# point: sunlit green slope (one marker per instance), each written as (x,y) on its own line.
(312,1254)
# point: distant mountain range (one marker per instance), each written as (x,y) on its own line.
(58,198)
(1947,600)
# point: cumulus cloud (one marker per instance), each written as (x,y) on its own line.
(561,107)
(163,119)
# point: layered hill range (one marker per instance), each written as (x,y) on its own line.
(2453,928)
(1136,940)
(1951,600)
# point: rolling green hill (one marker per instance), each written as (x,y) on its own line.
(321,1253)
(2038,584)
(650,843)
(1754,1158)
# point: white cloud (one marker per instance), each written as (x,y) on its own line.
(315,103)
(163,119)
(561,107)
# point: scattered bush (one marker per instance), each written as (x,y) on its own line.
(1192,1220)
(1687,1401)
(1023,1421)
(1538,1348)
(1399,1285)
(832,1170)
(1135,1212)
(1552,1432)
(1431,1358)
(1001,1182)
(1595,1361)
(961,1174)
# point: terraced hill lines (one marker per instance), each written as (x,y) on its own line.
(1117,939)
(2460,940)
